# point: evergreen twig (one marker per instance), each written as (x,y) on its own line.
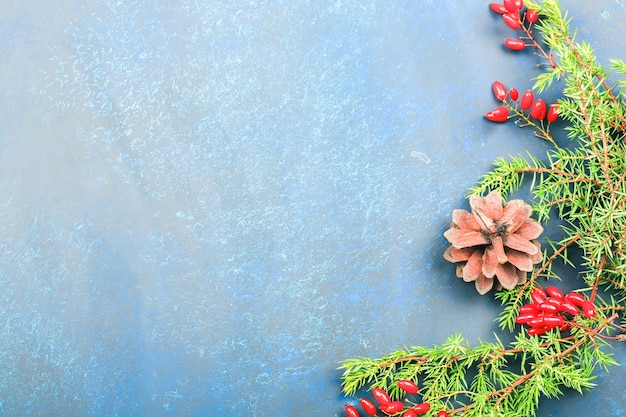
(581,185)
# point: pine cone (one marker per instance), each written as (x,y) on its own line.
(494,242)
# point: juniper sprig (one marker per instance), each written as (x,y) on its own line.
(581,186)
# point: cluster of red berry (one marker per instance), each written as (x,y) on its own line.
(538,109)
(389,407)
(511,11)
(548,310)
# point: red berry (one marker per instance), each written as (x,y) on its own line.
(554,292)
(553,113)
(529,309)
(538,110)
(510,5)
(410,413)
(568,307)
(524,318)
(576,298)
(514,94)
(536,331)
(519,4)
(527,100)
(381,396)
(368,406)
(514,44)
(351,411)
(553,321)
(548,307)
(408,386)
(538,295)
(443,414)
(421,408)
(499,90)
(511,20)
(498,8)
(555,301)
(563,305)
(589,310)
(536,322)
(498,115)
(392,407)
(532,16)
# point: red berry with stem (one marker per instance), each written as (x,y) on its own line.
(351,411)
(392,407)
(514,94)
(519,4)
(498,8)
(381,396)
(368,406)
(532,16)
(511,20)
(538,110)
(421,408)
(565,327)
(527,100)
(589,310)
(408,386)
(499,90)
(498,115)
(514,44)
(553,113)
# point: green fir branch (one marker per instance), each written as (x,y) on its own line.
(582,186)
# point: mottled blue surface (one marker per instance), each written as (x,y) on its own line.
(206,205)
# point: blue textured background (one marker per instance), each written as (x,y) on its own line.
(206,205)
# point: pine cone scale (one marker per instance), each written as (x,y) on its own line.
(498,248)
(483,284)
(473,268)
(507,275)
(530,230)
(465,220)
(520,260)
(519,243)
(490,262)
(460,238)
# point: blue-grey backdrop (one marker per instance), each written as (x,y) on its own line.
(206,205)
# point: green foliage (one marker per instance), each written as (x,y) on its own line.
(482,381)
(583,184)
(583,187)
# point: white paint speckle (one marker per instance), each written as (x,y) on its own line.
(421,156)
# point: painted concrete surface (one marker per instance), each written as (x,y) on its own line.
(206,205)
